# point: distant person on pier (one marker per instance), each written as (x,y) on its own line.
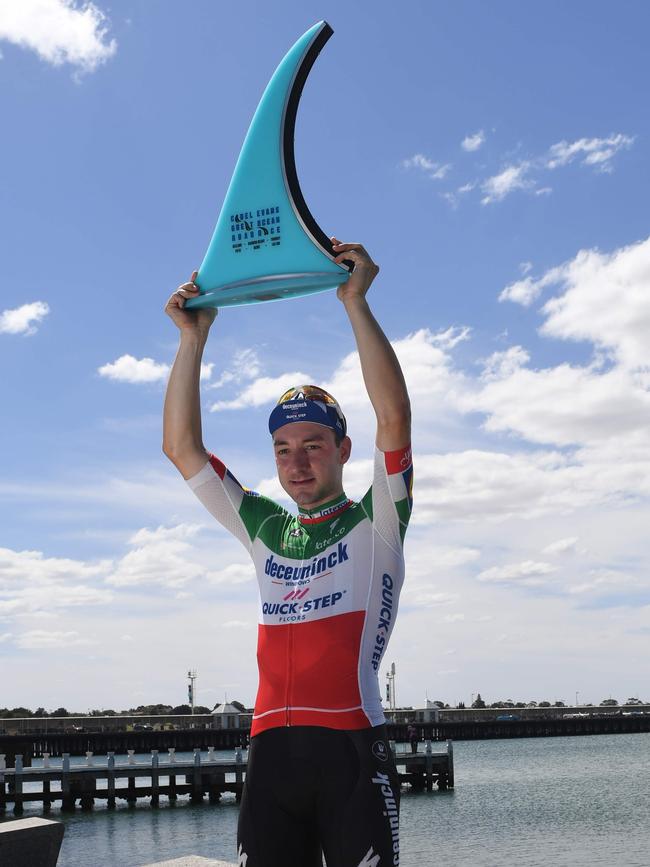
(321,776)
(413,737)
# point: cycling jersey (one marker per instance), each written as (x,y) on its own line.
(329,584)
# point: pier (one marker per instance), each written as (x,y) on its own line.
(112,780)
(483,726)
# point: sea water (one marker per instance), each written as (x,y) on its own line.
(536,801)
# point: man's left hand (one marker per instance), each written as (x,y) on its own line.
(365,270)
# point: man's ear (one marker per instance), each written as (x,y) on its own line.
(345,449)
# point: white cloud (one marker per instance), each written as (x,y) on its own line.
(432,600)
(605,301)
(24,319)
(236,624)
(233,573)
(526,291)
(597,152)
(31,583)
(167,557)
(59,31)
(263,390)
(135,370)
(39,639)
(522,292)
(33,567)
(564,405)
(500,365)
(507,181)
(434,170)
(529,573)
(473,142)
(161,556)
(562,546)
(245,365)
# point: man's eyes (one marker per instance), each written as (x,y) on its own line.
(309,447)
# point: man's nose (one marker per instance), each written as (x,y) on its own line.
(300,458)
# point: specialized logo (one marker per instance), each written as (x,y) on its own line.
(284,572)
(391,812)
(242,857)
(385,619)
(369,859)
(379,751)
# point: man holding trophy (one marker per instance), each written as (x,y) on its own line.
(321,777)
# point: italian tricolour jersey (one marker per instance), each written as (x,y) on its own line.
(329,584)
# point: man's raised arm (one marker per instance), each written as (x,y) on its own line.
(381,371)
(182,436)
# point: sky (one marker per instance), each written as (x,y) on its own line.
(494,161)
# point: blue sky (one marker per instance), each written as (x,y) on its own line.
(493,159)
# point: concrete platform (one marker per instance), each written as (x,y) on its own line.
(191,861)
(30,842)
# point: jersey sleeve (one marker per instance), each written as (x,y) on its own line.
(238,509)
(390,498)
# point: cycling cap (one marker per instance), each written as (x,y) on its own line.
(308,403)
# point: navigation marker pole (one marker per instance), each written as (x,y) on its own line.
(191,687)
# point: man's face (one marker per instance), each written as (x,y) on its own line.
(310,464)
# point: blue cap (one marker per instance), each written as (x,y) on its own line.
(308,403)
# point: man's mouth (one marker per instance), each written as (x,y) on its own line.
(300,482)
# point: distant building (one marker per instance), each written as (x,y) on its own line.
(225,716)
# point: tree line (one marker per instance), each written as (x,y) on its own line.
(141,710)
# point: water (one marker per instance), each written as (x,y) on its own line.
(579,801)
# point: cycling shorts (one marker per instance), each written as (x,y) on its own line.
(311,790)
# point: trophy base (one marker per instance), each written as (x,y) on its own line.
(256,290)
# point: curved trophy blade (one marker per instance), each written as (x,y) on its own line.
(267,245)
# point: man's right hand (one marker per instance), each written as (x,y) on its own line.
(189,320)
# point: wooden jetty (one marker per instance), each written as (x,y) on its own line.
(422,770)
(112,780)
(118,780)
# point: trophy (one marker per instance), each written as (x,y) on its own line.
(267,245)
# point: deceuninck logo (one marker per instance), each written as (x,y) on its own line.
(391,810)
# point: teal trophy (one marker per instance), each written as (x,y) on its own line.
(267,245)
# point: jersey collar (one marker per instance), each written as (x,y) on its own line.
(325,511)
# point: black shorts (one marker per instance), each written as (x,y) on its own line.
(311,790)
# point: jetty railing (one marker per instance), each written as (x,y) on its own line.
(110,779)
(68,783)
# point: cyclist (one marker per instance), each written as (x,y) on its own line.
(321,777)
